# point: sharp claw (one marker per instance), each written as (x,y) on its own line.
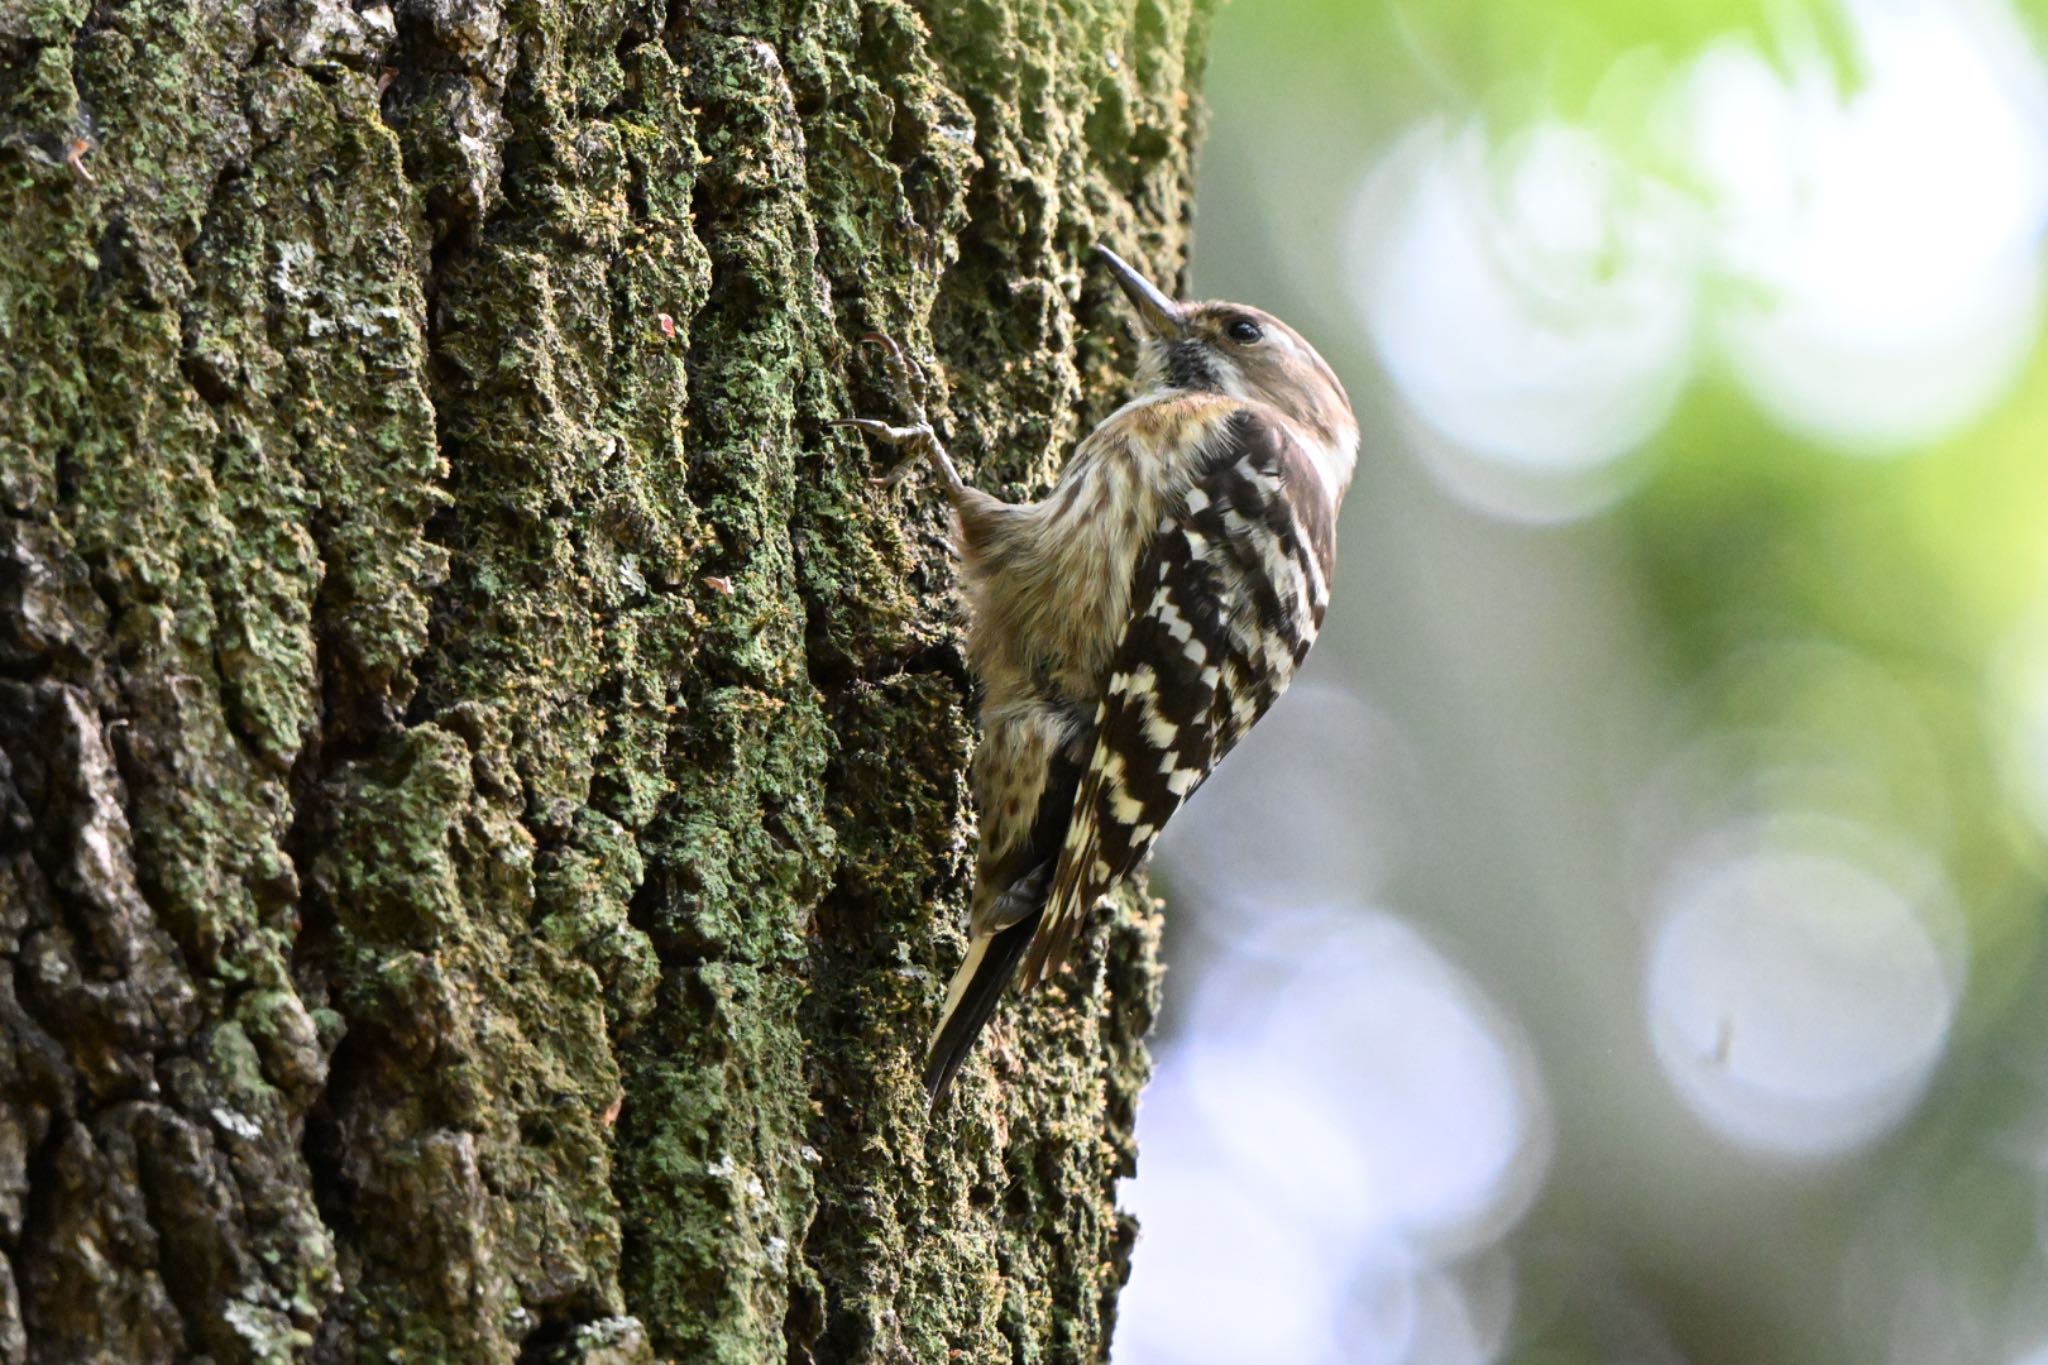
(887,343)
(908,382)
(909,376)
(881,431)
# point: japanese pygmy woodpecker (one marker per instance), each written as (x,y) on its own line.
(1132,625)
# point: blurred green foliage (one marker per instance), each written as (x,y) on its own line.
(1860,635)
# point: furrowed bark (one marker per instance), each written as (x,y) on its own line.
(482,805)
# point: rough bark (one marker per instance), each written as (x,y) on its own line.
(482,825)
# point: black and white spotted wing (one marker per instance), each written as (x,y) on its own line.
(1225,604)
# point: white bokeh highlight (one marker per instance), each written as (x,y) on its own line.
(1411,1092)
(1534,306)
(1862,256)
(1269,829)
(1222,1275)
(1881,240)
(1347,1092)
(1800,990)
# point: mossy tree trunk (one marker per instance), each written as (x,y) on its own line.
(482,824)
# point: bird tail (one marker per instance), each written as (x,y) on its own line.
(991,961)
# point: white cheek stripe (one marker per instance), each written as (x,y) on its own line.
(1230,379)
(1333,463)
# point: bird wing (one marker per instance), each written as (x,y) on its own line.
(1227,598)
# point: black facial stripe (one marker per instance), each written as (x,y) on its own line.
(1188,366)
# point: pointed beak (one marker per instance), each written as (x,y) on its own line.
(1160,314)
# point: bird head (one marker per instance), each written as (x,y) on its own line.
(1245,352)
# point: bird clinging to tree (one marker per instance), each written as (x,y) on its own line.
(1131,626)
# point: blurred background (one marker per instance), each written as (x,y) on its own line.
(1624,942)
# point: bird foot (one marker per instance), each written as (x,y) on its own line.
(908,386)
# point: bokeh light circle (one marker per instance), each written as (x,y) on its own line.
(1800,995)
(1224,1276)
(1880,241)
(1269,829)
(1534,305)
(1341,1079)
(1418,1100)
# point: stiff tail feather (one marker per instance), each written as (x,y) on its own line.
(991,962)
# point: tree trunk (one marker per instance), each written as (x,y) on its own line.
(482,817)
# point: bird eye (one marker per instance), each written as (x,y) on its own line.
(1243,331)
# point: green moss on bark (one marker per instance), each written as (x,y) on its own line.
(482,819)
